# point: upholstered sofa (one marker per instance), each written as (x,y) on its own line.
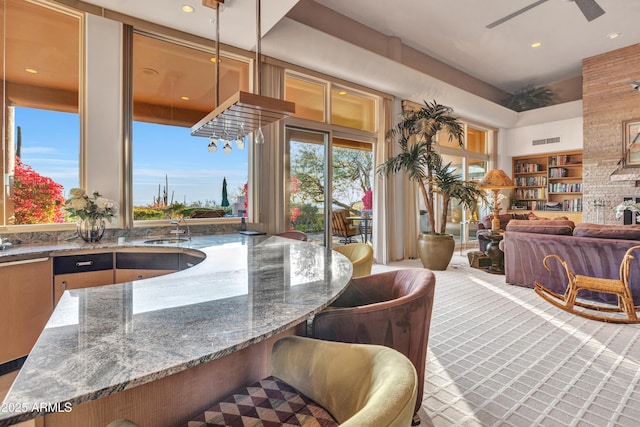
(484,227)
(589,249)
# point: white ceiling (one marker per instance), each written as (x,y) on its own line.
(453,32)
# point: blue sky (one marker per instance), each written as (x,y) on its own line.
(50,145)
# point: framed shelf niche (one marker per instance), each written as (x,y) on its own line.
(550,182)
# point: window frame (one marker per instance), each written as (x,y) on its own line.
(8,176)
(129,120)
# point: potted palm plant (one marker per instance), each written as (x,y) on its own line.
(415,135)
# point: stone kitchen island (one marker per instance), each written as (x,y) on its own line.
(160,350)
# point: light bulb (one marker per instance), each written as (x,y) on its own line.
(260,137)
(213,146)
(240,142)
(227,148)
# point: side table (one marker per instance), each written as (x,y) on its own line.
(495,253)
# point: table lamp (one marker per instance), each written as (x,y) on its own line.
(495,180)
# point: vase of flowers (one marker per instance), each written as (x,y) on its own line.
(627,205)
(91,211)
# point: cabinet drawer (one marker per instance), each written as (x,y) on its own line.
(147,261)
(82,263)
(62,282)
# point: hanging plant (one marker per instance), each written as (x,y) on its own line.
(529,97)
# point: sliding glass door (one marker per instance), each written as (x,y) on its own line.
(307,183)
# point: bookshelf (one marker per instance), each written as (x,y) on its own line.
(548,182)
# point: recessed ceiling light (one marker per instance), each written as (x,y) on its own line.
(187,8)
(31,70)
(613,35)
(184,98)
(536,44)
(342,92)
(213,59)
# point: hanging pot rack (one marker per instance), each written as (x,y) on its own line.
(243,111)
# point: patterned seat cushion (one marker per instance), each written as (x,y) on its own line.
(266,403)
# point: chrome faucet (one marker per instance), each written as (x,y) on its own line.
(4,244)
(178,231)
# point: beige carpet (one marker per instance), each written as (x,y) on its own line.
(499,355)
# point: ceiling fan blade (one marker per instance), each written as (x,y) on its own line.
(590,9)
(516,13)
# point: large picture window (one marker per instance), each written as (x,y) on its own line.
(174,173)
(41,71)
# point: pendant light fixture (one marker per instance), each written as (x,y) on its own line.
(243,112)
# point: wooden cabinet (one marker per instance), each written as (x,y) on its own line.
(25,306)
(81,271)
(549,182)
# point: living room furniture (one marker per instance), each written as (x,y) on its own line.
(364,225)
(391,308)
(576,283)
(495,180)
(342,227)
(485,224)
(494,252)
(549,181)
(360,255)
(207,213)
(591,250)
(315,382)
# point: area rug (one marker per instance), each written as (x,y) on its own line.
(499,355)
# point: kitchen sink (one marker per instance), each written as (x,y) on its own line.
(166,240)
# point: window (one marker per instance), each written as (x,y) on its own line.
(352,110)
(41,71)
(347,107)
(308,97)
(174,174)
(476,140)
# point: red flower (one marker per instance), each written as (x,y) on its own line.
(367,200)
(37,199)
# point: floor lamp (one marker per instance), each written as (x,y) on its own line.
(495,180)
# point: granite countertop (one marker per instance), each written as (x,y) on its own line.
(106,339)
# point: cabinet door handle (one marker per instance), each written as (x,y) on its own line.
(84,263)
(24,261)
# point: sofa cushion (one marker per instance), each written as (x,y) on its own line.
(622,232)
(551,226)
(536,217)
(504,220)
(269,401)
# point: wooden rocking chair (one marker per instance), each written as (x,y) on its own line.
(568,301)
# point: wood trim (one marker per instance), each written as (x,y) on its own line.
(213,4)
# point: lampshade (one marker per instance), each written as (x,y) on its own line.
(495,179)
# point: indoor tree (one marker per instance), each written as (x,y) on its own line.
(415,134)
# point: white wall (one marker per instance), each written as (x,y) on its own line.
(564,120)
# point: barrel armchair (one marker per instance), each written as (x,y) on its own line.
(391,308)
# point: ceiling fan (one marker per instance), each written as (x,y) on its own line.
(589,8)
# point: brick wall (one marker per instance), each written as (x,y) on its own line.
(608,100)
